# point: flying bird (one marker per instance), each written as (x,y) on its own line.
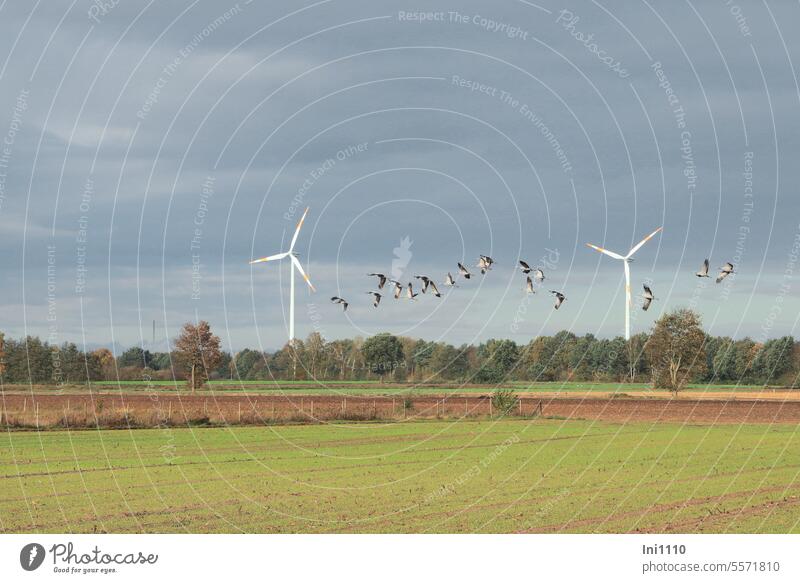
(338,300)
(449,281)
(526,269)
(398,287)
(529,287)
(648,297)
(725,271)
(559,298)
(703,270)
(463,272)
(538,274)
(377,297)
(426,281)
(381,279)
(485,263)
(410,292)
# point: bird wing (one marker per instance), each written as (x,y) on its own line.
(303,273)
(605,251)
(647,292)
(728,267)
(525,267)
(434,288)
(297,230)
(643,241)
(646,303)
(530,285)
(270,258)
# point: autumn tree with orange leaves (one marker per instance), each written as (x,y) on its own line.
(197,353)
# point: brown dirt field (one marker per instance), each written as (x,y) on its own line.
(766,394)
(73,410)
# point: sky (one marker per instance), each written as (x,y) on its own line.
(150,150)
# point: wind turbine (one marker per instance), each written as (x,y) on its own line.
(626,261)
(295,265)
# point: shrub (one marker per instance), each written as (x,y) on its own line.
(504,401)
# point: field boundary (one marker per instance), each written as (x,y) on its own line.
(92,410)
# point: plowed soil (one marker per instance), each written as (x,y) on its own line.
(49,408)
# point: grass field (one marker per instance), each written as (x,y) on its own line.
(542,475)
(391,389)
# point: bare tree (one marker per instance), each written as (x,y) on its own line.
(340,351)
(197,352)
(315,353)
(636,355)
(676,350)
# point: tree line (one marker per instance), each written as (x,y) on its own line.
(674,353)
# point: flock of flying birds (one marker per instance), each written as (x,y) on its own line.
(485,264)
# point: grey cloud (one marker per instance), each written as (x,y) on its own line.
(141,219)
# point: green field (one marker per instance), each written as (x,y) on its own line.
(464,476)
(368,388)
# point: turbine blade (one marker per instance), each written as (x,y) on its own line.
(642,242)
(303,273)
(605,251)
(297,230)
(270,258)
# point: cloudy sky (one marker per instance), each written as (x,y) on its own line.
(149,150)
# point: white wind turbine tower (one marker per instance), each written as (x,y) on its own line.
(625,261)
(295,265)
